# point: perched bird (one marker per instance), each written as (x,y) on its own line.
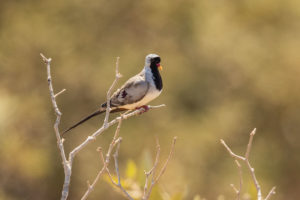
(136,92)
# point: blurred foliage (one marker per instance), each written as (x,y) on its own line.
(229,66)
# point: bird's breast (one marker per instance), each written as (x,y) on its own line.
(151,94)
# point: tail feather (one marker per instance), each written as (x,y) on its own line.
(98,112)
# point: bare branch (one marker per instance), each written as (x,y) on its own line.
(67,166)
(238,191)
(162,171)
(155,179)
(241,178)
(59,93)
(91,187)
(152,170)
(257,185)
(119,185)
(235,190)
(272,192)
(246,160)
(250,143)
(115,141)
(117,77)
(230,152)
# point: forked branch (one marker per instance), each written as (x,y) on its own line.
(152,171)
(251,169)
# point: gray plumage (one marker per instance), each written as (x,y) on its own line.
(131,92)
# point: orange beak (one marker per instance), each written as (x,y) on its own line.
(159,67)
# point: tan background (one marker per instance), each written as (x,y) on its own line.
(229,66)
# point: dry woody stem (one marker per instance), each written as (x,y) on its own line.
(68,163)
(250,168)
(152,171)
(238,191)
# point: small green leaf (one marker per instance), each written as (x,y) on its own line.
(131,169)
(252,191)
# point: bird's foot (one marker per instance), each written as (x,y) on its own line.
(145,108)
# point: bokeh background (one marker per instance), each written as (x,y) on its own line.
(229,66)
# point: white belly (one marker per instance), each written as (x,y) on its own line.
(151,94)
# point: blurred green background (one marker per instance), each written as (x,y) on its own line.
(229,66)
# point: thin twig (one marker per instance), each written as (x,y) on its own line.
(241,178)
(115,141)
(257,185)
(59,93)
(67,166)
(92,186)
(272,192)
(105,161)
(231,153)
(152,170)
(235,190)
(162,171)
(119,185)
(155,179)
(117,77)
(250,143)
(246,160)
(238,191)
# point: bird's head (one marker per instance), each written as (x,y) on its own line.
(153,59)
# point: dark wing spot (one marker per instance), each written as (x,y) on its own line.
(124,93)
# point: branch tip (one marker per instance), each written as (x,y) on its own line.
(175,139)
(272,192)
(46,60)
(59,93)
(253,132)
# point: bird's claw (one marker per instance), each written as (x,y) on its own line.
(145,108)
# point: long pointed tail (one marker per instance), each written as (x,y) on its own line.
(98,112)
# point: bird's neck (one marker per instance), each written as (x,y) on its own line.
(156,77)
